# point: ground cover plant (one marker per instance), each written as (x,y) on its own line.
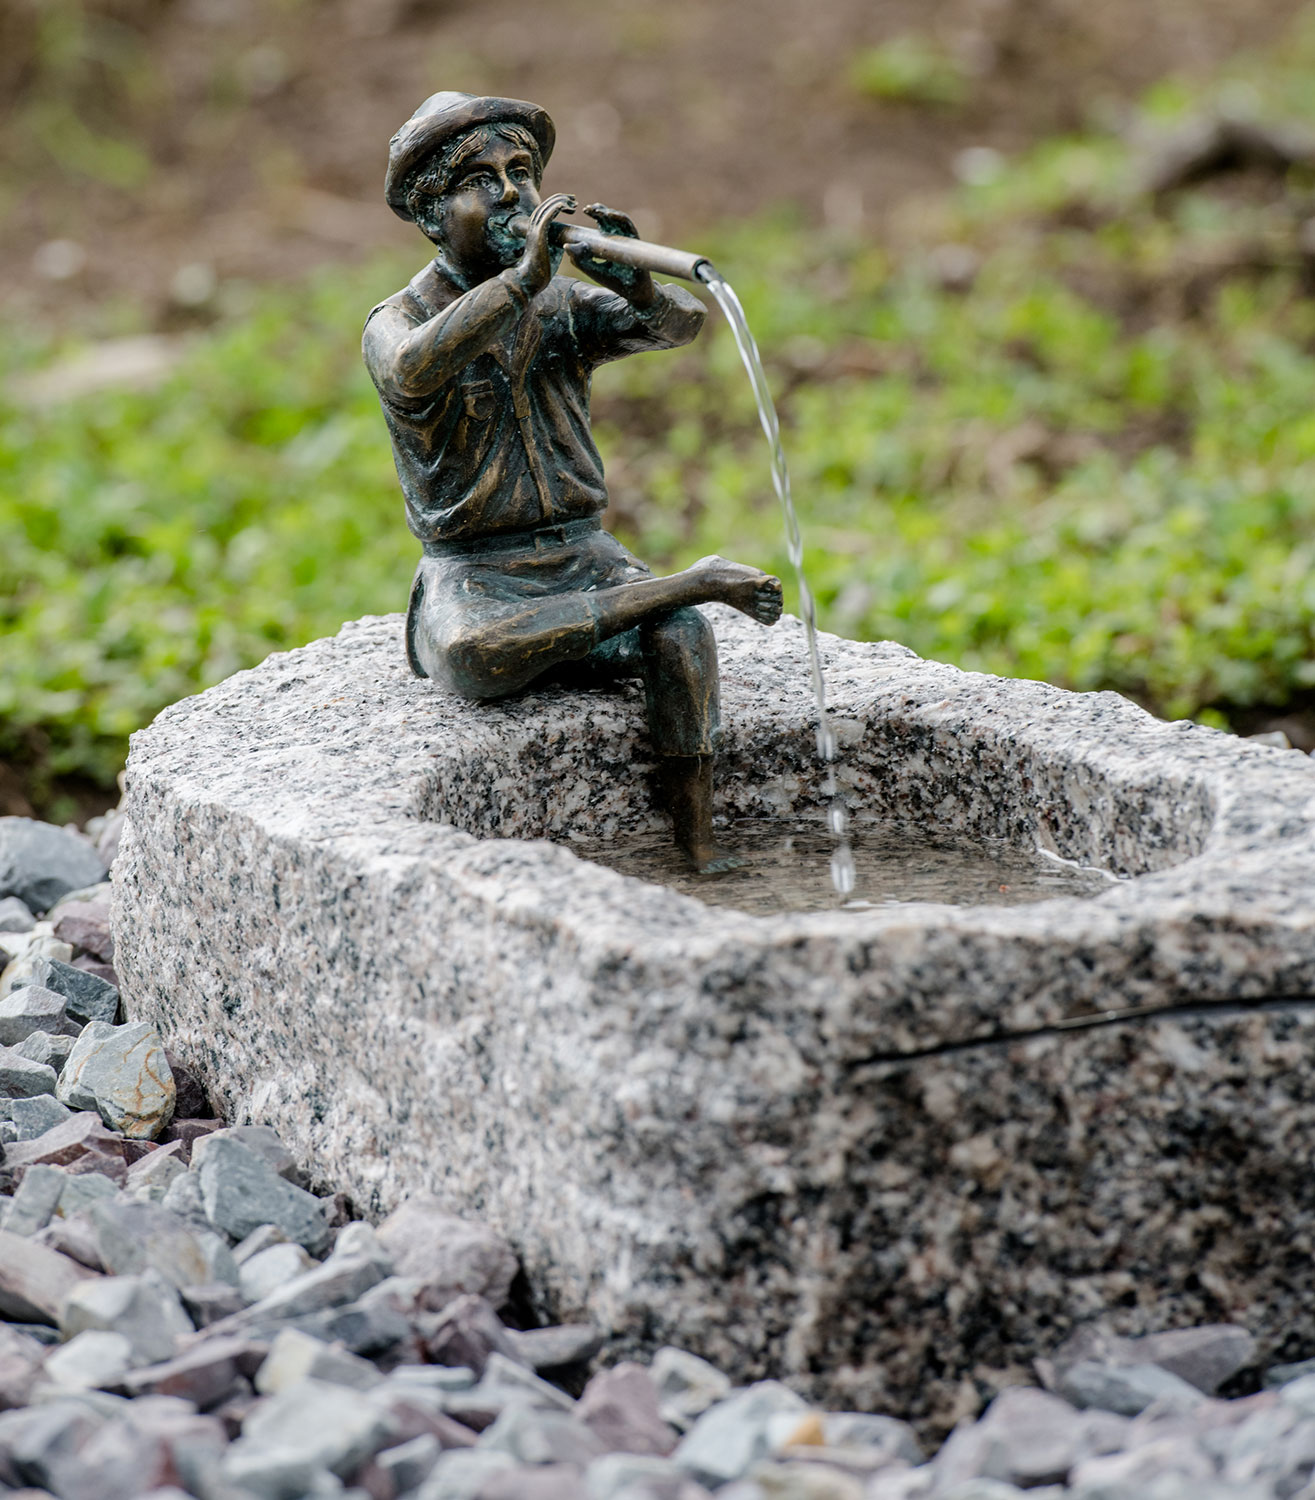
(1059,427)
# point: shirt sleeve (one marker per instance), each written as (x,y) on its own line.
(410,359)
(608,327)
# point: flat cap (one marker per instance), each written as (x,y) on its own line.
(441,118)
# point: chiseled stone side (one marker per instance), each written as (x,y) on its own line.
(713,1128)
(975,1206)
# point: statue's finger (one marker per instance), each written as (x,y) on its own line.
(551,207)
(611,221)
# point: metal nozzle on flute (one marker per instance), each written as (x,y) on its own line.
(663,260)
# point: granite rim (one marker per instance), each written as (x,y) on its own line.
(1213,837)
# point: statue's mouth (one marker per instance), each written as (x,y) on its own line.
(499,235)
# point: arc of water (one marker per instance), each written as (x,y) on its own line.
(842,860)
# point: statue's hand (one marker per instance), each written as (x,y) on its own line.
(535,267)
(628,281)
(612,222)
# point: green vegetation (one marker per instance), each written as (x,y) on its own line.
(1077,444)
(154,543)
(911,68)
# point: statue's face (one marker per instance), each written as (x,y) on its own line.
(470,218)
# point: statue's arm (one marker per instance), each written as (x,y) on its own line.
(412,361)
(673,318)
(612,327)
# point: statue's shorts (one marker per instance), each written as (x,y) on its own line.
(487,619)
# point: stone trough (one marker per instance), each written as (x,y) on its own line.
(890,1155)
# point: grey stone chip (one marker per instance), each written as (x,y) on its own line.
(33,1117)
(241,1192)
(32,1008)
(15,916)
(40,862)
(20,1078)
(121,1071)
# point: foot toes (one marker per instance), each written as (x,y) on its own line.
(721,864)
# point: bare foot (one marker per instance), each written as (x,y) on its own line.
(712,859)
(684,784)
(750,590)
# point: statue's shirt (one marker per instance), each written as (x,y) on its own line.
(499,439)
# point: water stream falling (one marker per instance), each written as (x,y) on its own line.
(837,815)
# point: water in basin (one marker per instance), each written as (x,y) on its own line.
(786,868)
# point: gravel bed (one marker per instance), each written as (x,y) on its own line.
(184,1317)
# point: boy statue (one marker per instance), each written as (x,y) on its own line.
(483,365)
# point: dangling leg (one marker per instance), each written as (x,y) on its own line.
(682,689)
(685,787)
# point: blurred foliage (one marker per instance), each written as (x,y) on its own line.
(154,542)
(1066,432)
(912,68)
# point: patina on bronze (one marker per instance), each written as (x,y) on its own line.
(483,365)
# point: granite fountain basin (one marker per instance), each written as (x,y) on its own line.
(889,1154)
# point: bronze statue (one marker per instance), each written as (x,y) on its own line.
(483,365)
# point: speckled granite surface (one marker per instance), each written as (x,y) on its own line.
(674,1110)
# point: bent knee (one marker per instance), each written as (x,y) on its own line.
(685,627)
(683,632)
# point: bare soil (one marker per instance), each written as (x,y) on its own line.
(253,133)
